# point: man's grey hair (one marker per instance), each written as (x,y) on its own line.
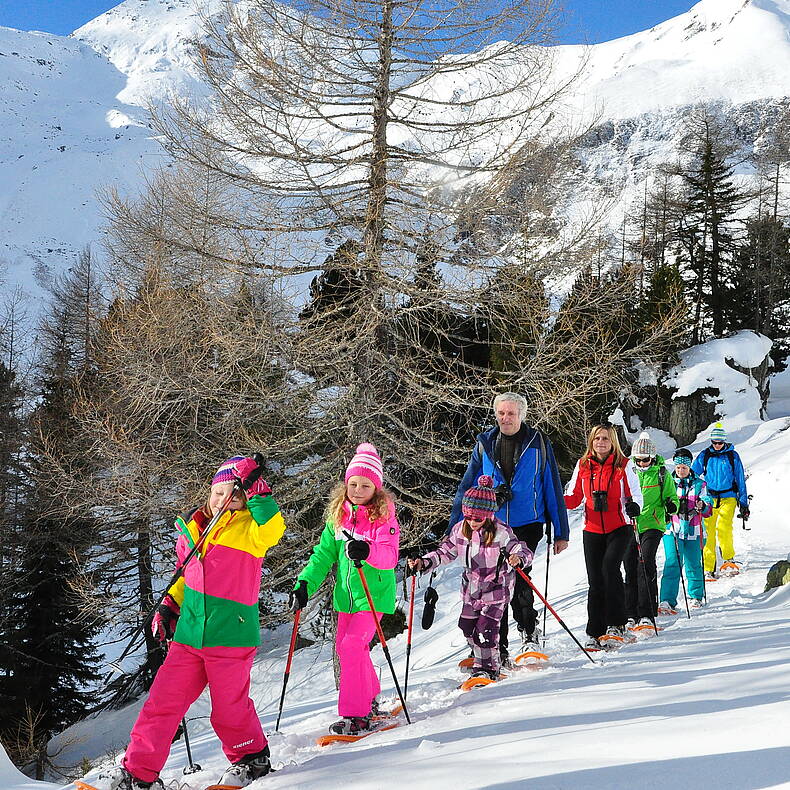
(512,397)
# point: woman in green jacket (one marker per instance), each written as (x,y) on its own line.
(660,501)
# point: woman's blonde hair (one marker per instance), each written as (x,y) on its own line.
(378,507)
(619,455)
(488,529)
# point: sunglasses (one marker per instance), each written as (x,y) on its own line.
(641,461)
(717,441)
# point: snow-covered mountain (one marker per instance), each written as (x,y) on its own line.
(72,114)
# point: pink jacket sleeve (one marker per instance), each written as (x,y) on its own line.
(385,546)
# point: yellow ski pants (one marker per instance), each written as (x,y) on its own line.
(718,525)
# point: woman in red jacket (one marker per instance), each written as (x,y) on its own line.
(605,480)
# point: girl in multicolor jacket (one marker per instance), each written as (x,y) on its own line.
(211,615)
(686,534)
(360,526)
(488,578)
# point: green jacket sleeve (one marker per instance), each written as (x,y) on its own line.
(325,555)
(670,491)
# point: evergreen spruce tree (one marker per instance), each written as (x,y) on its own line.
(760,299)
(709,226)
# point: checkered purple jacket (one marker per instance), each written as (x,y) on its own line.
(487,577)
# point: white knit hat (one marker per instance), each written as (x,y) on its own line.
(644,447)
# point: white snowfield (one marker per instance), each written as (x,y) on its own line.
(706,702)
(73,121)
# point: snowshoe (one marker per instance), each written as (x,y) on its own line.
(118,778)
(480,677)
(245,771)
(592,645)
(729,568)
(468,662)
(630,623)
(695,603)
(644,627)
(616,636)
(350,725)
(710,576)
(665,609)
(379,726)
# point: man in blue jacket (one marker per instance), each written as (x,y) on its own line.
(720,466)
(529,493)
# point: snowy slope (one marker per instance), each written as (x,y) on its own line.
(69,118)
(152,43)
(706,699)
(732,50)
(63,134)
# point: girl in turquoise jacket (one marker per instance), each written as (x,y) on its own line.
(685,536)
(360,526)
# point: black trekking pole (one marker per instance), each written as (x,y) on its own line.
(744,518)
(702,561)
(551,609)
(682,579)
(409,633)
(193,767)
(546,586)
(179,572)
(287,675)
(644,573)
(380,633)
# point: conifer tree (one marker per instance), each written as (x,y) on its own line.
(709,223)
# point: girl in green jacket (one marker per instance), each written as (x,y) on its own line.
(360,526)
(660,501)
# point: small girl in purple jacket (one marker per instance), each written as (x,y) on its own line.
(488,578)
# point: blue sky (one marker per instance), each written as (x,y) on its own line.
(588,20)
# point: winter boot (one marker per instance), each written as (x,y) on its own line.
(350,725)
(529,641)
(592,644)
(118,778)
(630,623)
(665,608)
(695,603)
(248,769)
(479,672)
(710,576)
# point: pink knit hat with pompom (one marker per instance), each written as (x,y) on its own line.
(366,463)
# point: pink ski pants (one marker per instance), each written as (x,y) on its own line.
(359,683)
(178,683)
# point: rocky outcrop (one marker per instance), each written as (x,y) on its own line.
(778,575)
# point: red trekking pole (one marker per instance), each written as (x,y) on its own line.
(294,634)
(551,609)
(380,633)
(409,632)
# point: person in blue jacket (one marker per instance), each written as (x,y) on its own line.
(720,466)
(521,461)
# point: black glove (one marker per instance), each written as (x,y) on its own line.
(632,509)
(357,550)
(429,609)
(297,598)
(670,508)
(504,494)
(744,512)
